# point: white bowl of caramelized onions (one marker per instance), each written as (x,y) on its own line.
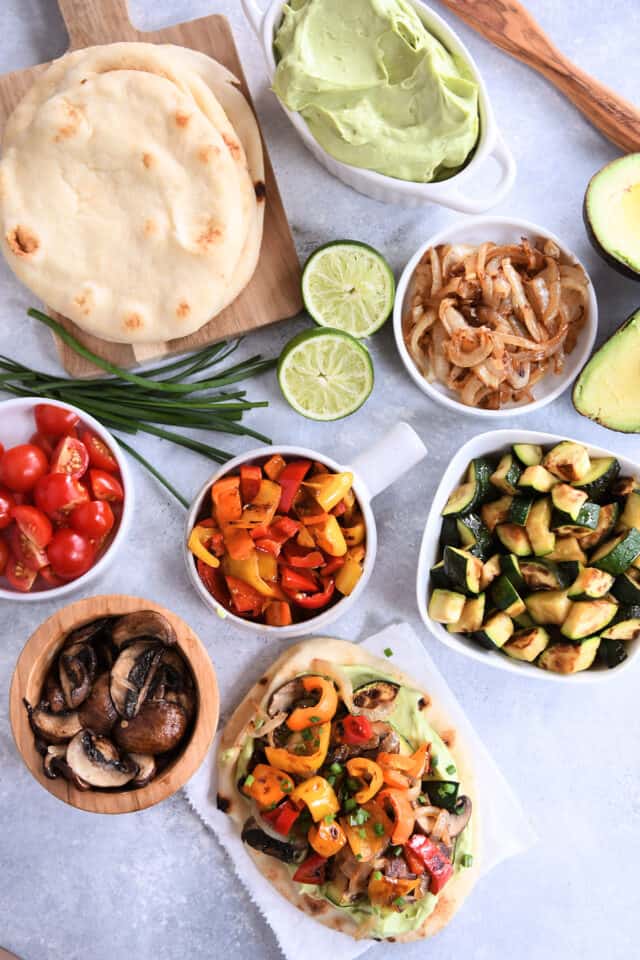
(494,316)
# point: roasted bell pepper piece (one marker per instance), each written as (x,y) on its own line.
(243,597)
(238,543)
(332,565)
(262,508)
(327,839)
(198,537)
(371,775)
(404,817)
(283,528)
(348,576)
(388,891)
(397,769)
(318,796)
(310,758)
(356,731)
(214,581)
(249,571)
(250,478)
(320,712)
(278,613)
(357,553)
(282,818)
(304,538)
(274,466)
(369,839)
(420,849)
(294,581)
(314,601)
(312,870)
(354,534)
(266,785)
(329,488)
(227,504)
(289,481)
(329,537)
(302,558)
(267,567)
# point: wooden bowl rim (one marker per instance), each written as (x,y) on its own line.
(44,643)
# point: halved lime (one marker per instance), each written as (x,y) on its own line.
(325,374)
(348,286)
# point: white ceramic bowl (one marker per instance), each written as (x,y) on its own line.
(448,193)
(17,425)
(373,471)
(495,442)
(478,230)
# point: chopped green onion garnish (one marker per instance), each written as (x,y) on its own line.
(249,780)
(396,851)
(434,760)
(352,785)
(466,860)
(362,834)
(330,817)
(350,804)
(335,768)
(451,769)
(398,902)
(447,788)
(331,779)
(257,724)
(422,800)
(388,652)
(315,720)
(378,829)
(306,734)
(377,875)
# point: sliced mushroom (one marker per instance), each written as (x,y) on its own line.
(53,693)
(376,700)
(459,819)
(158,727)
(132,676)
(258,839)
(53,759)
(173,682)
(142,623)
(286,696)
(76,669)
(146,768)
(54,727)
(87,631)
(98,712)
(97,761)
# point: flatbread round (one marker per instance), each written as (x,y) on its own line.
(121,208)
(293,663)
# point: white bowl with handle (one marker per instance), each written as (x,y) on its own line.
(499,230)
(497,442)
(373,471)
(447,193)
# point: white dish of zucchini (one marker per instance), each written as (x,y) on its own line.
(530,559)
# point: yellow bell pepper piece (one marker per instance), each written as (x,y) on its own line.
(355,534)
(267,565)
(365,841)
(302,764)
(196,543)
(330,488)
(357,553)
(262,508)
(305,539)
(249,571)
(370,773)
(267,786)
(319,797)
(327,839)
(347,576)
(320,712)
(329,537)
(384,891)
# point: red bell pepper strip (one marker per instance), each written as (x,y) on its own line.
(238,543)
(283,817)
(357,730)
(293,581)
(259,532)
(302,557)
(290,481)
(214,582)
(283,528)
(332,565)
(315,601)
(250,478)
(339,509)
(268,545)
(312,870)
(243,596)
(434,861)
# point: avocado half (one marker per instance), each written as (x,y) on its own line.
(608,388)
(612,214)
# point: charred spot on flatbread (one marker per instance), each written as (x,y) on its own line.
(223,803)
(22,241)
(263,681)
(315,907)
(183,310)
(234,147)
(148,160)
(423,703)
(448,737)
(133,321)
(69,126)
(208,152)
(182,119)
(260,190)
(210,235)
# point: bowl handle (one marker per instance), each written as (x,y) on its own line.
(391,456)
(254,15)
(457,200)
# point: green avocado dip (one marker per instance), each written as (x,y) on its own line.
(376,89)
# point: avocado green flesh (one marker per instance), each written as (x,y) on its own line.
(376,89)
(612,207)
(608,389)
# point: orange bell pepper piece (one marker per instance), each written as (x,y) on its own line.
(323,710)
(227,504)
(318,796)
(362,768)
(403,813)
(367,841)
(278,613)
(274,466)
(266,785)
(238,543)
(384,891)
(327,838)
(311,757)
(397,769)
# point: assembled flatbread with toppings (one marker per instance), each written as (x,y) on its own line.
(352,793)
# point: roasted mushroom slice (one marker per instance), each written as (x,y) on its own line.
(146,768)
(142,623)
(54,727)
(375,700)
(88,631)
(132,676)
(53,693)
(53,760)
(158,727)
(76,669)
(98,712)
(459,819)
(97,761)
(283,699)
(255,837)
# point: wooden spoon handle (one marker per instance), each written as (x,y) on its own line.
(509,26)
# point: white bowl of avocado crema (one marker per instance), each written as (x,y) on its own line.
(387,98)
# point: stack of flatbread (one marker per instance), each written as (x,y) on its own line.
(132,190)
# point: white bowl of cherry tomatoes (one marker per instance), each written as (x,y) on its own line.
(66,498)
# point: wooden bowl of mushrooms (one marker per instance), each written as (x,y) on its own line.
(114,703)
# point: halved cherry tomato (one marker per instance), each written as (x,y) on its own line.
(70,456)
(50,577)
(70,554)
(55,421)
(18,575)
(100,456)
(33,523)
(357,730)
(105,486)
(21,467)
(312,871)
(94,519)
(57,494)
(27,552)
(4,555)
(7,502)
(46,444)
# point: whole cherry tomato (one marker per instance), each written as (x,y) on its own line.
(4,555)
(105,486)
(57,494)
(70,554)
(94,519)
(21,467)
(7,502)
(50,577)
(100,455)
(70,456)
(55,421)
(19,576)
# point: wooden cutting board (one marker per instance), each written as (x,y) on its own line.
(274,292)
